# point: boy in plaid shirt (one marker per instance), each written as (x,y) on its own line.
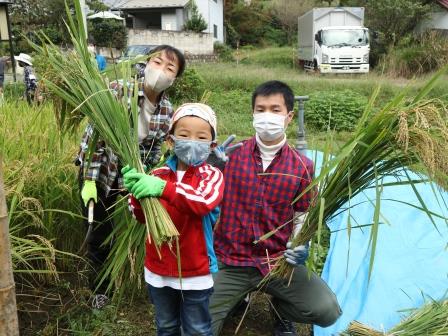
(101,181)
(254,204)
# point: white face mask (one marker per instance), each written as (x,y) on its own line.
(269,126)
(156,79)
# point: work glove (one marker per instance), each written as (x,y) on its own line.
(220,154)
(296,255)
(128,182)
(146,185)
(89,192)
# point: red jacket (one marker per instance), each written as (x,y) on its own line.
(188,203)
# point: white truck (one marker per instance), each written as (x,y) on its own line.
(334,40)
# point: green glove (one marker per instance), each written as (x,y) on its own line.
(89,192)
(147,185)
(128,182)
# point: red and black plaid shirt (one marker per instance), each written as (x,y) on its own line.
(255,204)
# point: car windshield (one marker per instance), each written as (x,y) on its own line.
(345,37)
(132,51)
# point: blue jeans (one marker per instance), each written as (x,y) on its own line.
(187,309)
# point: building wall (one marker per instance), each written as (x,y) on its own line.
(181,17)
(213,12)
(149,19)
(192,43)
(169,20)
(436,20)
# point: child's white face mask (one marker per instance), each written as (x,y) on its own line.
(269,126)
(157,80)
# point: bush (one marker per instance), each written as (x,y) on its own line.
(417,57)
(337,110)
(196,22)
(224,52)
(188,88)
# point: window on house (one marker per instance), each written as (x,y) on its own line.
(215,1)
(215,31)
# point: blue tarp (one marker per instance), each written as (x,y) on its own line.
(411,260)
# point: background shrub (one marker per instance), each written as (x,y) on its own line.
(338,110)
(224,52)
(414,57)
(188,88)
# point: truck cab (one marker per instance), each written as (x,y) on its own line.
(342,49)
(334,40)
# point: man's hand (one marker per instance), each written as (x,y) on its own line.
(220,155)
(297,255)
(89,192)
(146,185)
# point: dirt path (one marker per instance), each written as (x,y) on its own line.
(64,309)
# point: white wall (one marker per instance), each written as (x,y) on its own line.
(181,16)
(169,20)
(213,13)
(437,20)
(188,42)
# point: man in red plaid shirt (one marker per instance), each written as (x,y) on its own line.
(262,179)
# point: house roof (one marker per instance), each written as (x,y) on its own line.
(146,4)
(443,3)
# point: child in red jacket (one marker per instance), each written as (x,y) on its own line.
(190,190)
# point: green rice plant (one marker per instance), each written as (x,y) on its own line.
(34,257)
(40,175)
(406,132)
(430,319)
(80,84)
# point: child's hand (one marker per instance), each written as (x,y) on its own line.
(220,155)
(127,181)
(147,185)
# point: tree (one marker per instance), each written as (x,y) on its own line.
(108,33)
(8,309)
(29,16)
(393,20)
(245,21)
(287,12)
(196,22)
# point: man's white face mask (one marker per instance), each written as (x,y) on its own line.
(157,80)
(269,126)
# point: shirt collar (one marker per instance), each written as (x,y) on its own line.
(256,149)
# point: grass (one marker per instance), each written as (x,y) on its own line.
(272,57)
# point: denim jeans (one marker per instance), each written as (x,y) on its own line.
(186,309)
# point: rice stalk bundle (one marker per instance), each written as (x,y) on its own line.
(405,133)
(80,84)
(430,319)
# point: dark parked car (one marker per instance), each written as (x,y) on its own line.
(134,51)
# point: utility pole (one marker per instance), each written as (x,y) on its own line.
(301,144)
(9,324)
